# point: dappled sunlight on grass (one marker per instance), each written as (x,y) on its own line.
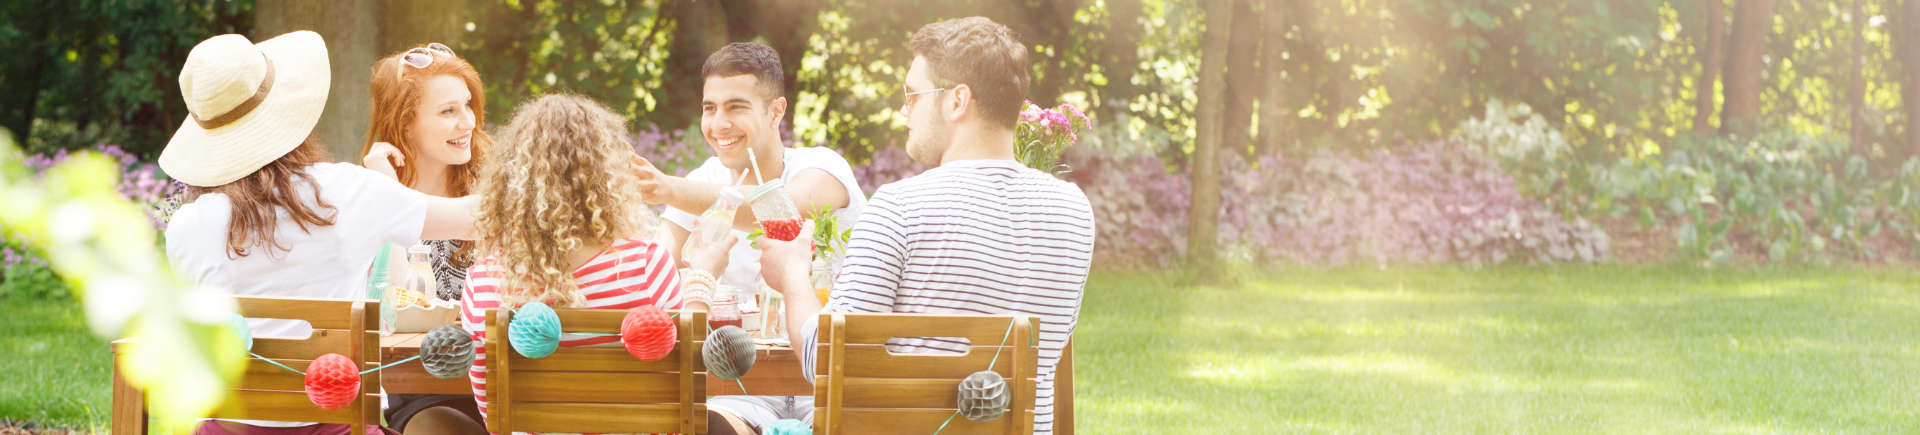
(1564,349)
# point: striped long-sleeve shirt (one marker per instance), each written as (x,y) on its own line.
(628,274)
(971,237)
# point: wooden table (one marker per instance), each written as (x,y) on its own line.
(776,372)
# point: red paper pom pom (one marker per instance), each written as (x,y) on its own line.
(333,381)
(647,332)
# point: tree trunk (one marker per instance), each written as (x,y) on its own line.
(1752,22)
(351,30)
(1122,59)
(406,24)
(1857,86)
(1243,82)
(1908,50)
(1272,112)
(1712,55)
(1204,217)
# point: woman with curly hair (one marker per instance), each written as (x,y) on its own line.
(561,223)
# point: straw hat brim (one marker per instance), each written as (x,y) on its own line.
(214,157)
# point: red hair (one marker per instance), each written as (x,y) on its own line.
(397,94)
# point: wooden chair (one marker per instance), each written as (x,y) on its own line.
(267,392)
(862,388)
(596,389)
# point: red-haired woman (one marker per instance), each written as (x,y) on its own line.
(428,105)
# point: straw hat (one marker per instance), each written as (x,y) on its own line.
(250,104)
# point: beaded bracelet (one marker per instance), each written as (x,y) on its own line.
(698,285)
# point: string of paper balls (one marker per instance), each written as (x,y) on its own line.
(332,381)
(447,352)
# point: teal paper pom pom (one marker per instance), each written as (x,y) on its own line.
(535,330)
(787,427)
(240,328)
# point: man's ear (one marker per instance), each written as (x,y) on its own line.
(777,108)
(961,105)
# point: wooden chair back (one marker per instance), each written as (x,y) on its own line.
(861,387)
(342,326)
(596,389)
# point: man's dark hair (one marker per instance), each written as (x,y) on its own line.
(748,58)
(982,54)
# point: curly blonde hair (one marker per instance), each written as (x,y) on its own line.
(561,179)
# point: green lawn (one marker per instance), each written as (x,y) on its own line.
(52,372)
(1564,349)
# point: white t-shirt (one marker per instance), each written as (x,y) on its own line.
(370,211)
(743,262)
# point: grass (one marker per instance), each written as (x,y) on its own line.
(1563,349)
(52,372)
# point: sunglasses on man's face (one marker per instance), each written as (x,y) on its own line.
(422,57)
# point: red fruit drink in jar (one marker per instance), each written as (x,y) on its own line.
(784,230)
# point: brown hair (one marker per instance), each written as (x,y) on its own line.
(257,198)
(562,181)
(395,96)
(748,58)
(982,54)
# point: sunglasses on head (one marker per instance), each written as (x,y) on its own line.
(422,57)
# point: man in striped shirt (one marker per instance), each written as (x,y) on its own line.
(978,234)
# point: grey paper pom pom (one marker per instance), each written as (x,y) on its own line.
(728,352)
(447,352)
(983,396)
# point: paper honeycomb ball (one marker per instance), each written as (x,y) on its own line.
(240,328)
(332,381)
(447,352)
(983,396)
(534,331)
(728,352)
(787,427)
(647,333)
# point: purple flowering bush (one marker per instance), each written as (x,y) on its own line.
(887,165)
(675,152)
(25,270)
(1419,203)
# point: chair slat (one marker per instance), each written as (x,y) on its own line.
(601,359)
(598,387)
(288,406)
(914,421)
(908,393)
(977,329)
(599,417)
(874,361)
(320,313)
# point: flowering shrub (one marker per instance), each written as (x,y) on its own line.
(26,272)
(1425,203)
(887,165)
(1042,135)
(1777,196)
(675,152)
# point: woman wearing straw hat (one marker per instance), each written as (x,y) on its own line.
(268,215)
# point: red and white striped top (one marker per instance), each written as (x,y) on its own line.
(628,274)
